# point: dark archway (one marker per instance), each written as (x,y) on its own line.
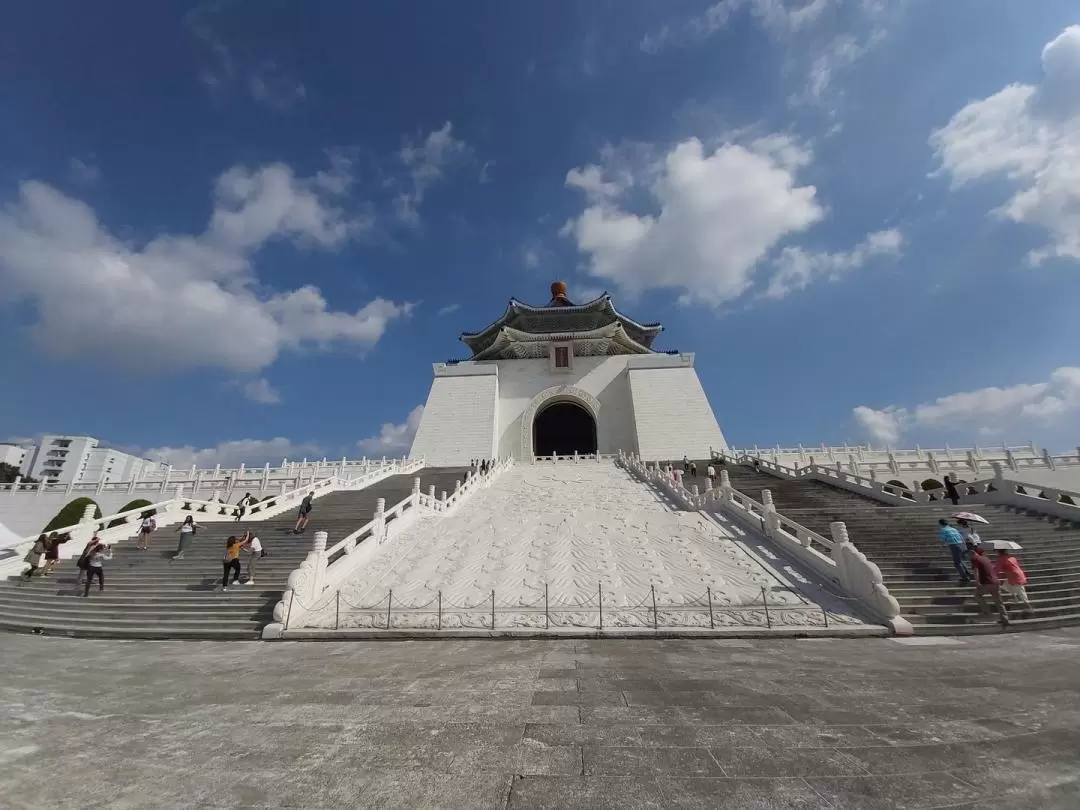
(563,427)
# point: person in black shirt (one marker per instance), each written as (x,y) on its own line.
(305,511)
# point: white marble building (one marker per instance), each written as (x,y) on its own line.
(565,378)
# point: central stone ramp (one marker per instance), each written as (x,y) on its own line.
(551,541)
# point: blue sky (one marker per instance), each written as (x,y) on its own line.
(242,230)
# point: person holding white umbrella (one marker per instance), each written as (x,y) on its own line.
(966,521)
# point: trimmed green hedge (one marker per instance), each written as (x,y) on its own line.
(71,514)
(135,504)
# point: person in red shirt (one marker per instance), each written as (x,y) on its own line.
(986,582)
(1012,578)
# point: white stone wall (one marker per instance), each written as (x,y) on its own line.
(459,421)
(672,415)
(604,378)
(26,514)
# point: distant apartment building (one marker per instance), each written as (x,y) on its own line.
(79,460)
(17,456)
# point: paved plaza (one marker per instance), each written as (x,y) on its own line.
(865,723)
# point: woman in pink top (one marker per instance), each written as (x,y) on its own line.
(1012,577)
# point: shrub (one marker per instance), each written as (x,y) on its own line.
(136,504)
(931,484)
(1066,499)
(71,514)
(897,484)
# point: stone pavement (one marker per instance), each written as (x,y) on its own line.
(935,722)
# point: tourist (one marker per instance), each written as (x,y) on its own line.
(1012,579)
(685,465)
(954,541)
(95,561)
(85,555)
(986,582)
(146,531)
(243,504)
(253,546)
(693,469)
(968,531)
(33,556)
(231,562)
(187,534)
(711,472)
(52,551)
(305,513)
(950,489)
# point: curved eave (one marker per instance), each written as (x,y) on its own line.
(480,341)
(508,336)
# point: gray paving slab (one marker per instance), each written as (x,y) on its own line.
(992,722)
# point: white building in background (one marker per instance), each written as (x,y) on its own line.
(17,456)
(565,379)
(79,460)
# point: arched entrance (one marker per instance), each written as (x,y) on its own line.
(562,428)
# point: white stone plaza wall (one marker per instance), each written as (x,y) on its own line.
(672,415)
(459,421)
(602,378)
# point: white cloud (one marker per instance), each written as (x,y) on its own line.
(98,295)
(261,392)
(83,173)
(530,257)
(448,309)
(485,172)
(986,411)
(717,213)
(1029,134)
(393,440)
(427,163)
(776,16)
(222,70)
(797,268)
(251,452)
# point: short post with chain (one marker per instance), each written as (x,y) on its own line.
(389,601)
(655,621)
(765,602)
(712,624)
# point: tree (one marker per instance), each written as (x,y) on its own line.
(9,472)
(71,514)
(136,504)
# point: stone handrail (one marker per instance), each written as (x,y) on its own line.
(844,567)
(325,568)
(997,490)
(194,480)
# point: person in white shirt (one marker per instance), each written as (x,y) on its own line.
(187,534)
(253,546)
(146,530)
(711,472)
(94,566)
(969,533)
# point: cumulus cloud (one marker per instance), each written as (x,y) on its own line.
(1029,134)
(393,440)
(797,268)
(986,411)
(427,162)
(715,214)
(448,309)
(96,294)
(261,392)
(251,452)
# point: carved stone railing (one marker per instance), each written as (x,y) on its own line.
(195,480)
(834,558)
(996,491)
(325,568)
(121,525)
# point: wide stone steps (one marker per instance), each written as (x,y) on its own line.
(149,596)
(918,569)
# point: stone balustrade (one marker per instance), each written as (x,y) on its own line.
(835,559)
